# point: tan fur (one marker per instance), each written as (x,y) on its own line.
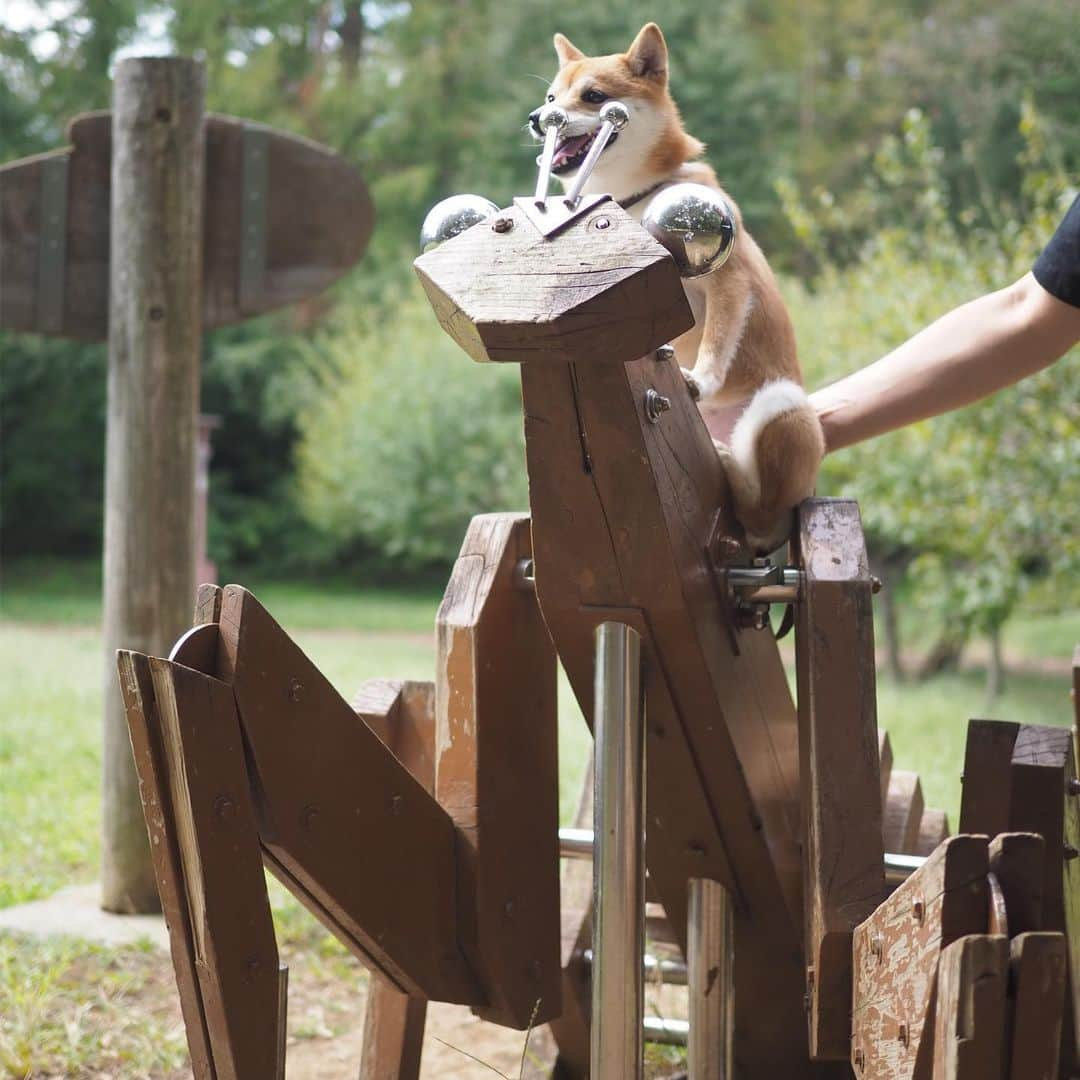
(743,338)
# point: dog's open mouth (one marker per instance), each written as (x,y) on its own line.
(571,152)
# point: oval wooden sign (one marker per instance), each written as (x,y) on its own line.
(284,217)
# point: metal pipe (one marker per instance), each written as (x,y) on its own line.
(618,992)
(614,116)
(551,121)
(655,969)
(710,949)
(659,1030)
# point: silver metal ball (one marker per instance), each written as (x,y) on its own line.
(696,225)
(616,114)
(452,216)
(552,116)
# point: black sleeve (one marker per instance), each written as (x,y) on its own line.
(1057,269)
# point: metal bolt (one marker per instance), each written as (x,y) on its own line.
(727,547)
(903,1034)
(1072,786)
(602,223)
(396,802)
(655,405)
(1070,852)
(295,689)
(502,224)
(877,947)
(876,585)
(752,617)
(308,816)
(918,911)
(665,352)
(860,1060)
(224,809)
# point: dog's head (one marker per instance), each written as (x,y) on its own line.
(650,147)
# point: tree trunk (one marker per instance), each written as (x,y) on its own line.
(351,31)
(155,323)
(995,667)
(891,573)
(946,653)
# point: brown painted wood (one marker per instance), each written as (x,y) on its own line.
(152,415)
(933,828)
(903,812)
(622,512)
(610,294)
(969,1030)
(984,805)
(144,726)
(1038,963)
(236,956)
(402,713)
(1017,860)
(895,956)
(839,754)
(341,816)
(319,218)
(393,1033)
(497,770)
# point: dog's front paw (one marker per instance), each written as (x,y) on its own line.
(691,384)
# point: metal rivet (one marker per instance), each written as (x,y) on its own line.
(1072,786)
(665,352)
(727,547)
(903,1035)
(602,223)
(224,808)
(875,585)
(655,405)
(502,224)
(1070,852)
(877,947)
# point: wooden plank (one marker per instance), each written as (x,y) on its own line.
(622,512)
(402,713)
(393,1033)
(903,812)
(1017,861)
(984,806)
(236,956)
(933,828)
(144,726)
(207,604)
(839,755)
(1038,1000)
(317,221)
(513,295)
(497,772)
(339,811)
(885,762)
(896,954)
(969,1030)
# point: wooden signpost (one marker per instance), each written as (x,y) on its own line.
(156,223)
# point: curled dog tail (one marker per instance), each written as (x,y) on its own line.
(776,448)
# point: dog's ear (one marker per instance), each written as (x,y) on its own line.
(567,50)
(648,55)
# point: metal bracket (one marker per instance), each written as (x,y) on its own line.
(555,214)
(253,194)
(52,244)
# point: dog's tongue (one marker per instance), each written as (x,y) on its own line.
(568,148)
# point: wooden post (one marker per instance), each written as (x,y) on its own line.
(155,326)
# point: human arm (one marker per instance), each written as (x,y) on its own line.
(967,354)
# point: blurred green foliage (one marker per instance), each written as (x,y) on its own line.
(894,157)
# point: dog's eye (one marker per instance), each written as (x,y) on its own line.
(594,96)
(551,97)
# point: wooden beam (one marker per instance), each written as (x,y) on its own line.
(402,713)
(1037,1006)
(903,812)
(497,772)
(896,954)
(969,1030)
(839,755)
(1017,860)
(393,1033)
(236,956)
(984,804)
(338,811)
(933,828)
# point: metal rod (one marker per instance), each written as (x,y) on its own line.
(655,969)
(578,844)
(614,116)
(618,992)
(659,1030)
(710,948)
(552,120)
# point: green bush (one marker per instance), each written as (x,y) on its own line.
(408,439)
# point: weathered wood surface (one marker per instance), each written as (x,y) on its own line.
(984,800)
(341,819)
(402,713)
(710,970)
(903,812)
(622,512)
(497,770)
(933,828)
(393,1033)
(154,283)
(896,955)
(207,604)
(843,848)
(144,725)
(1037,1006)
(316,217)
(514,296)
(236,956)
(969,1029)
(1017,860)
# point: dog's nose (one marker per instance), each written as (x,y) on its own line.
(534,122)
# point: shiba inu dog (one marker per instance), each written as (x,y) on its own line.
(740,357)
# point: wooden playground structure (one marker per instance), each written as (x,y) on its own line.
(828,922)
